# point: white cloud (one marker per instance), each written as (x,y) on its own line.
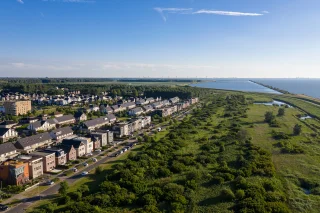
(164,11)
(265,12)
(226,13)
(20,1)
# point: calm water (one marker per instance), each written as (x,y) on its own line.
(310,87)
(235,84)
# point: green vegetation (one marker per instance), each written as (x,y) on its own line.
(229,155)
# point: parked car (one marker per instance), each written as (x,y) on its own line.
(85,164)
(49,183)
(84,173)
(98,150)
(89,154)
(3,207)
(75,169)
(94,159)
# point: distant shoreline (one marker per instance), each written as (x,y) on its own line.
(271,87)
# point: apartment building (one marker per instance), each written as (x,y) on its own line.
(17,107)
(14,172)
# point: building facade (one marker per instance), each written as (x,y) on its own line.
(49,161)
(17,107)
(14,172)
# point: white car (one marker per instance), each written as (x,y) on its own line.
(84,173)
(98,150)
(75,169)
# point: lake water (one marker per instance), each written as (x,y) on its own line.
(310,87)
(236,84)
(275,103)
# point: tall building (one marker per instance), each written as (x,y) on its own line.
(17,107)
(14,172)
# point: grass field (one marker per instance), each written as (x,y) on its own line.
(291,168)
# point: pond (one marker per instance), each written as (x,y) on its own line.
(275,103)
(305,117)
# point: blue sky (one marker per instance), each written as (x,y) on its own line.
(159,38)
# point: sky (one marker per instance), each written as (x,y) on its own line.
(160,38)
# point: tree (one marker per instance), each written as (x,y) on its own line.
(281,112)
(297,129)
(268,117)
(63,188)
(135,93)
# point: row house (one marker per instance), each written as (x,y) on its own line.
(148,109)
(95,123)
(193,100)
(45,125)
(29,144)
(49,160)
(7,134)
(135,125)
(106,137)
(78,145)
(128,105)
(7,151)
(60,155)
(61,102)
(8,124)
(141,102)
(183,105)
(146,121)
(80,116)
(87,142)
(121,129)
(174,100)
(117,108)
(111,118)
(61,133)
(150,100)
(35,164)
(136,111)
(157,105)
(127,128)
(71,152)
(65,120)
(165,112)
(166,103)
(104,108)
(28,120)
(14,172)
(96,143)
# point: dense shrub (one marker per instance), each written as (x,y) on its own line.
(240,194)
(227,195)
